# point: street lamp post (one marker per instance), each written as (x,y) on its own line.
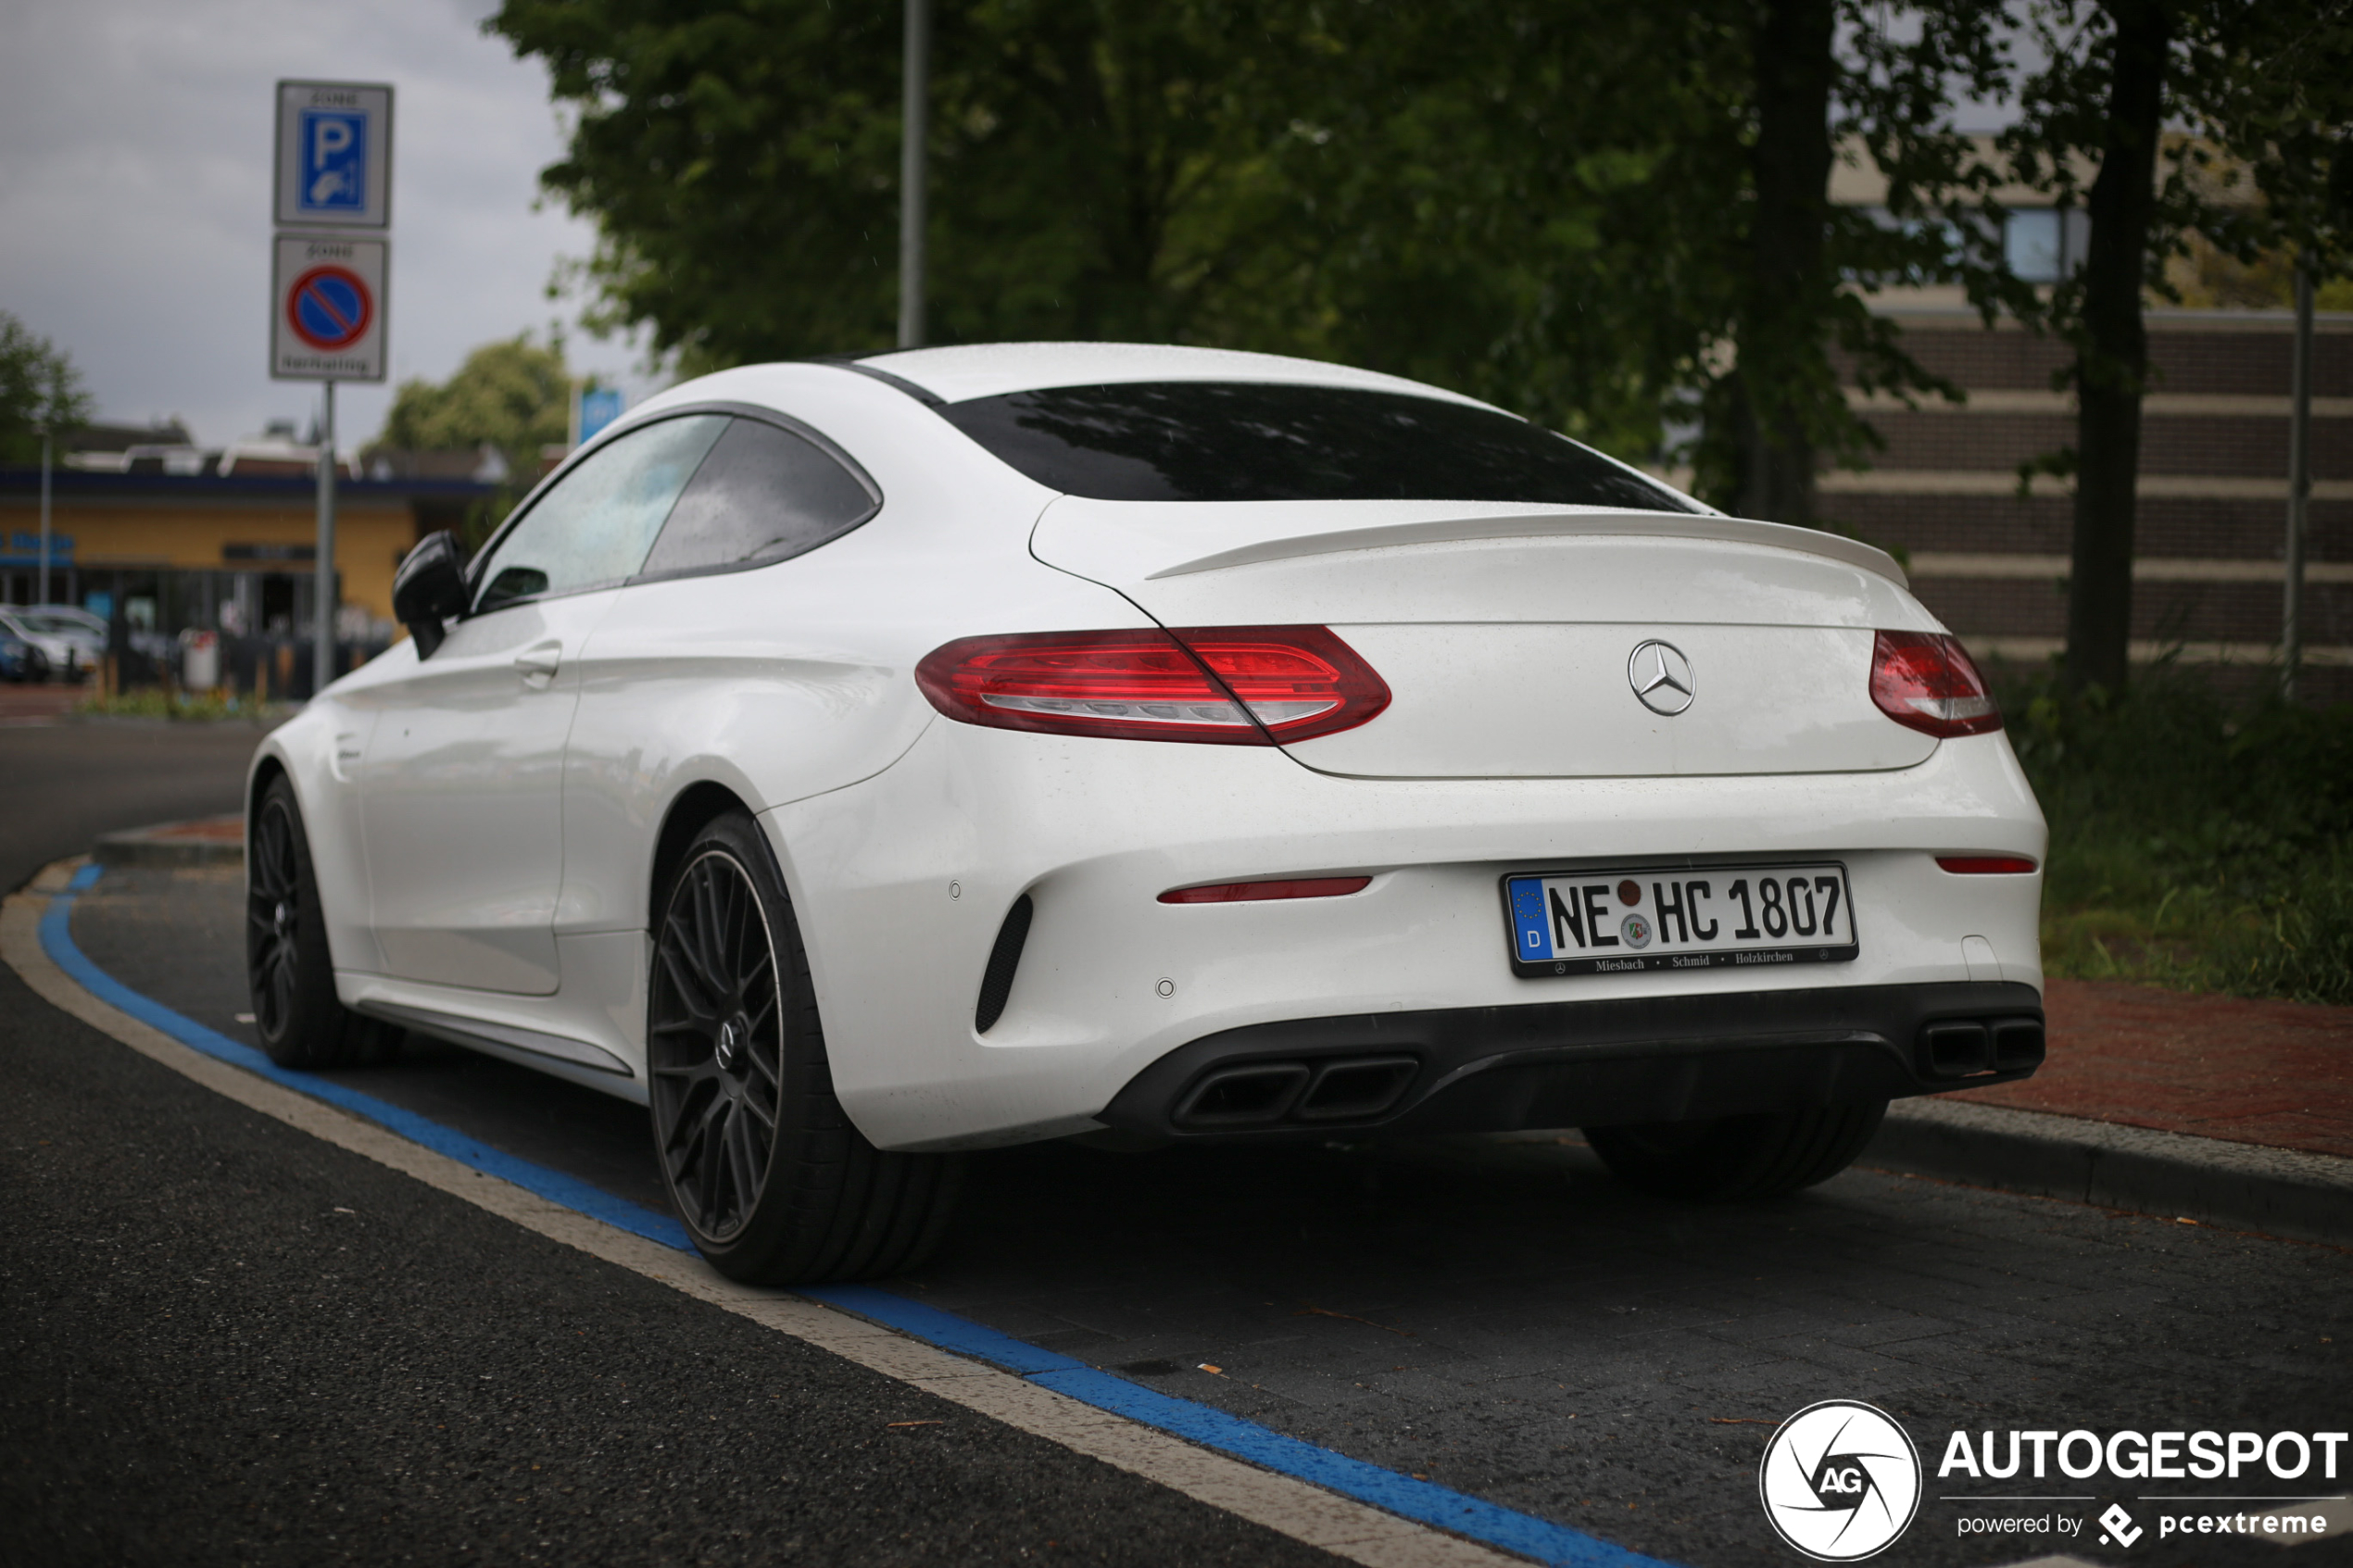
(2299,482)
(915,131)
(42,598)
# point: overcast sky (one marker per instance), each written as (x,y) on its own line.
(135,195)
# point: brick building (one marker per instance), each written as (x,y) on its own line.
(2211,529)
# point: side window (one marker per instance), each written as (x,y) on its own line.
(596,524)
(763,495)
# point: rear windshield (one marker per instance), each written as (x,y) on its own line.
(1252,441)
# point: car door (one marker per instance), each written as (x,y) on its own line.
(462,779)
(714,666)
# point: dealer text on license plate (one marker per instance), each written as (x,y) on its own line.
(1692,918)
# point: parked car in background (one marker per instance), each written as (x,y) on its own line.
(20,660)
(72,641)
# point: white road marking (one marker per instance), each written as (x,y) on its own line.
(1289,1507)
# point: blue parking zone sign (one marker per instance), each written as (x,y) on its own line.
(335,154)
(334,163)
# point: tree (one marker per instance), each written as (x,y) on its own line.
(2185,109)
(40,392)
(1097,167)
(511,395)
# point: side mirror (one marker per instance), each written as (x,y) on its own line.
(429,588)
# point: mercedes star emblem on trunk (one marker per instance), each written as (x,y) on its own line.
(1661,677)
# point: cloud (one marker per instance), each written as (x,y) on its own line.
(134,194)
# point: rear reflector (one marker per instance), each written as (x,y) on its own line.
(1925,681)
(1986,865)
(1253,892)
(1229,685)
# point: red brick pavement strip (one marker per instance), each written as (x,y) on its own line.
(2276,1074)
(31,704)
(209,830)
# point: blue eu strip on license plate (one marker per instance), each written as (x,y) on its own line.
(1684,918)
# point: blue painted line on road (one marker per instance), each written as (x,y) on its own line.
(1424,1501)
(56,940)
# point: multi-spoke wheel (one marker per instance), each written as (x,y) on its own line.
(775,1186)
(288,967)
(1738,1157)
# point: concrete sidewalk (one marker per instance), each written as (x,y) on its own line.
(2216,1111)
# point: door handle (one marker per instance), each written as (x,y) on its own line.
(537,665)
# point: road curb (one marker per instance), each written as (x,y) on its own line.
(205,841)
(2241,1187)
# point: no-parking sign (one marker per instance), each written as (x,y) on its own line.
(327,308)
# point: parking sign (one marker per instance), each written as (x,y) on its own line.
(335,154)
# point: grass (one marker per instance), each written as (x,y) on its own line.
(154,702)
(2197,841)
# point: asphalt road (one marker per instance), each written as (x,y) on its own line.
(239,1345)
(225,1342)
(66,784)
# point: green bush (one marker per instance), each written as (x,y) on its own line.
(154,702)
(2198,839)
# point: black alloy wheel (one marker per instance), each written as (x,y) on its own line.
(775,1185)
(715,1038)
(289,971)
(273,903)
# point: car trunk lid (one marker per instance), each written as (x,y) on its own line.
(1509,636)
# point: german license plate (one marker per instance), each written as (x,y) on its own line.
(1692,918)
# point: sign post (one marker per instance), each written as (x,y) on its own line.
(328,307)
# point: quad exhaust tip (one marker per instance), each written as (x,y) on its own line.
(1267,1094)
(1963,1048)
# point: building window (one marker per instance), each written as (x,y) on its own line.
(2043,245)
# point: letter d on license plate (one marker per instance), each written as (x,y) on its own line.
(1687,918)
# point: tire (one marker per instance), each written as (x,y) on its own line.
(288,969)
(1737,1158)
(773,1182)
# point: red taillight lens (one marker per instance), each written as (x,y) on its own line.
(1925,681)
(1986,865)
(1256,892)
(1228,685)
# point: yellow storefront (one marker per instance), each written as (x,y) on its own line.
(199,551)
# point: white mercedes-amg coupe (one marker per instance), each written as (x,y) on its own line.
(859,762)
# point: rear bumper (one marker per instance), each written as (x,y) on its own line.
(1584,1063)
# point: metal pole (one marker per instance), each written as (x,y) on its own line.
(322,653)
(915,132)
(2299,480)
(42,598)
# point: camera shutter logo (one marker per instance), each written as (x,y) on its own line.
(1840,1481)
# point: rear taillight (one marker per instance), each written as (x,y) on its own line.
(1925,681)
(1228,685)
(1985,865)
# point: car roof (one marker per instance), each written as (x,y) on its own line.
(991,370)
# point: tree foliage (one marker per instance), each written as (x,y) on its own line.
(40,392)
(512,394)
(1614,219)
